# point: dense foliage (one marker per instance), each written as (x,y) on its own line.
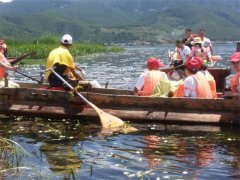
(120,20)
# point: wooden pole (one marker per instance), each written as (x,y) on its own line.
(238,47)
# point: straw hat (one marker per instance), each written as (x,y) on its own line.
(196,40)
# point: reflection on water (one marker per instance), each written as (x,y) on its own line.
(67,149)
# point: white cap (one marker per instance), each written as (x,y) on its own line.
(66,39)
(206,43)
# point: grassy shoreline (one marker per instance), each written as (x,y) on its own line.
(43,46)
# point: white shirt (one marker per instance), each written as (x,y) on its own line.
(206,39)
(185,52)
(140,82)
(190,86)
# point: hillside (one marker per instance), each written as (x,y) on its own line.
(120,20)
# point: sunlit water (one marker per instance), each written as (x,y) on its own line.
(69,149)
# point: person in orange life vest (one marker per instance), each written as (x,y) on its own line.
(210,79)
(235,80)
(196,84)
(148,79)
(3,48)
(5,66)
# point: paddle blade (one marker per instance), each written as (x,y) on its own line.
(108,120)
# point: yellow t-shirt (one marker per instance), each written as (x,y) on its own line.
(59,55)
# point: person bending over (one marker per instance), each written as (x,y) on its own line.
(62,61)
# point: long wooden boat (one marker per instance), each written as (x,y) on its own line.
(219,75)
(34,100)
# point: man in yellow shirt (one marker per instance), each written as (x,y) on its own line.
(62,61)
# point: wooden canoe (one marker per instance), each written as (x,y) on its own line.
(29,100)
(219,75)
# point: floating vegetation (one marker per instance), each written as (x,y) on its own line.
(44,45)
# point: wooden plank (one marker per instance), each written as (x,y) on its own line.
(113,91)
(181,104)
(132,115)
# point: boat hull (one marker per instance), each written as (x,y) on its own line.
(121,103)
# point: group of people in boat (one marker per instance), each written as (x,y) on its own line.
(193,53)
(190,61)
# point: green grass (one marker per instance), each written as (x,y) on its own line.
(44,45)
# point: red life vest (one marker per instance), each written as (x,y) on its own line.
(234,82)
(151,78)
(2,69)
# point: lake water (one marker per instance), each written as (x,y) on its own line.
(65,149)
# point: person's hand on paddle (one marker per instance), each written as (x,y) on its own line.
(81,70)
(14,68)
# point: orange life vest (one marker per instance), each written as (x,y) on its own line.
(151,78)
(2,69)
(234,82)
(212,83)
(203,89)
(179,91)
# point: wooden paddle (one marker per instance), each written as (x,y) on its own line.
(108,121)
(39,81)
(15,60)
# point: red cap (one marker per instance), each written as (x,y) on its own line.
(196,62)
(1,41)
(153,63)
(235,57)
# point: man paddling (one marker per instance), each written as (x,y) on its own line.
(62,61)
(4,67)
(3,48)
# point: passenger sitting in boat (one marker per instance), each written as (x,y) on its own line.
(210,79)
(198,51)
(4,66)
(235,80)
(196,84)
(3,48)
(188,38)
(203,38)
(62,61)
(206,48)
(184,50)
(148,79)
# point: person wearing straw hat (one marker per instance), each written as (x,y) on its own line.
(62,61)
(198,51)
(235,80)
(149,79)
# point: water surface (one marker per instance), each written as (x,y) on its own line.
(58,149)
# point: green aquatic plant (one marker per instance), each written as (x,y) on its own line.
(43,46)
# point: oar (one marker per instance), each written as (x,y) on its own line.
(39,81)
(108,121)
(18,59)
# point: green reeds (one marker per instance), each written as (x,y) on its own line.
(45,44)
